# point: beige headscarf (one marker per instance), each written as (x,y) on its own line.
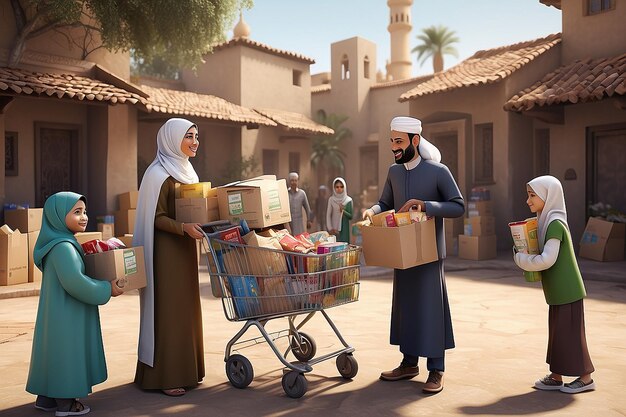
(170,161)
(334,216)
(412,125)
(550,190)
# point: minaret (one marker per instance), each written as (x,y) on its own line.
(241,30)
(399,28)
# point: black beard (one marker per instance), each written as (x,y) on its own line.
(407,154)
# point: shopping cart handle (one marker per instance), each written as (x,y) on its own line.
(215,225)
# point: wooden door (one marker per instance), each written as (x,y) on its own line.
(606,159)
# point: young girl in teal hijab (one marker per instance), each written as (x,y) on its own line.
(68,356)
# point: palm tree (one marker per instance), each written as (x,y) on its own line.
(327,155)
(436,42)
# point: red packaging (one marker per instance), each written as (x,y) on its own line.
(97,246)
(231,234)
(305,240)
(390,220)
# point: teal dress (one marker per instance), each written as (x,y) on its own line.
(68,356)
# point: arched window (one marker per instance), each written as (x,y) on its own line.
(366,67)
(345,68)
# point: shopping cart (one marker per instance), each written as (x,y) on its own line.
(258,285)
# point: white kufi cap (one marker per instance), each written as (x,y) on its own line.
(412,125)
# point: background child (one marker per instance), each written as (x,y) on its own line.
(67,357)
(562,286)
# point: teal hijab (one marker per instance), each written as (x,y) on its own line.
(53,227)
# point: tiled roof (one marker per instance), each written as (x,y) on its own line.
(554,3)
(186,103)
(580,82)
(296,122)
(22,82)
(396,83)
(322,88)
(262,47)
(485,67)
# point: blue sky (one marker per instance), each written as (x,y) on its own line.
(309,27)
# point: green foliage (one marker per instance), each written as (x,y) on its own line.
(155,66)
(327,149)
(437,41)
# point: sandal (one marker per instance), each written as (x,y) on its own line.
(44,403)
(76,409)
(174,392)
(547,383)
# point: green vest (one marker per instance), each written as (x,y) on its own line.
(562,283)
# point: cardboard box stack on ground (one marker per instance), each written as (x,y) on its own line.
(603,240)
(106,225)
(478,241)
(27,221)
(453,228)
(125,216)
(126,266)
(262,201)
(13,256)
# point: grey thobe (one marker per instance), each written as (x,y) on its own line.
(420,313)
(297,200)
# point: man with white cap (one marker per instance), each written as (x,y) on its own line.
(420,315)
(297,201)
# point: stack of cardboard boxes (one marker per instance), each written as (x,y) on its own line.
(17,241)
(478,242)
(453,228)
(125,216)
(196,203)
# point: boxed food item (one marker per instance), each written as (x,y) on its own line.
(128,200)
(13,256)
(24,219)
(125,266)
(380,219)
(479,226)
(197,210)
(477,248)
(34,273)
(400,247)
(603,240)
(83,237)
(524,235)
(262,201)
(197,190)
(480,208)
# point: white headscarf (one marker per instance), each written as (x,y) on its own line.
(170,161)
(334,215)
(412,125)
(550,190)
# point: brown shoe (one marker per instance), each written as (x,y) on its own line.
(434,383)
(401,372)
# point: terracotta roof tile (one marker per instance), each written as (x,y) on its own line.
(295,122)
(262,47)
(553,3)
(23,82)
(579,82)
(163,100)
(322,88)
(485,67)
(395,83)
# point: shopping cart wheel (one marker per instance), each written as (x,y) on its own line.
(295,384)
(304,351)
(239,371)
(347,365)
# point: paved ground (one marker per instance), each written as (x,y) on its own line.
(500,326)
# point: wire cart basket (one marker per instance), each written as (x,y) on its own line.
(259,284)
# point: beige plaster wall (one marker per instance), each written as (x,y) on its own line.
(220,75)
(595,36)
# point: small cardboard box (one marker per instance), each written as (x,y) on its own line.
(480,208)
(127,240)
(452,246)
(125,221)
(603,240)
(126,266)
(34,273)
(107,230)
(262,202)
(198,190)
(26,220)
(400,247)
(480,226)
(477,248)
(453,227)
(128,200)
(197,210)
(13,257)
(83,237)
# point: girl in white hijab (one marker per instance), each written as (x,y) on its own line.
(563,289)
(339,211)
(170,304)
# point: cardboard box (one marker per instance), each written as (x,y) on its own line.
(128,200)
(126,266)
(480,226)
(26,220)
(603,240)
(479,208)
(87,236)
(261,201)
(400,247)
(453,227)
(127,240)
(125,221)
(198,190)
(13,257)
(34,273)
(197,210)
(107,230)
(477,248)
(452,246)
